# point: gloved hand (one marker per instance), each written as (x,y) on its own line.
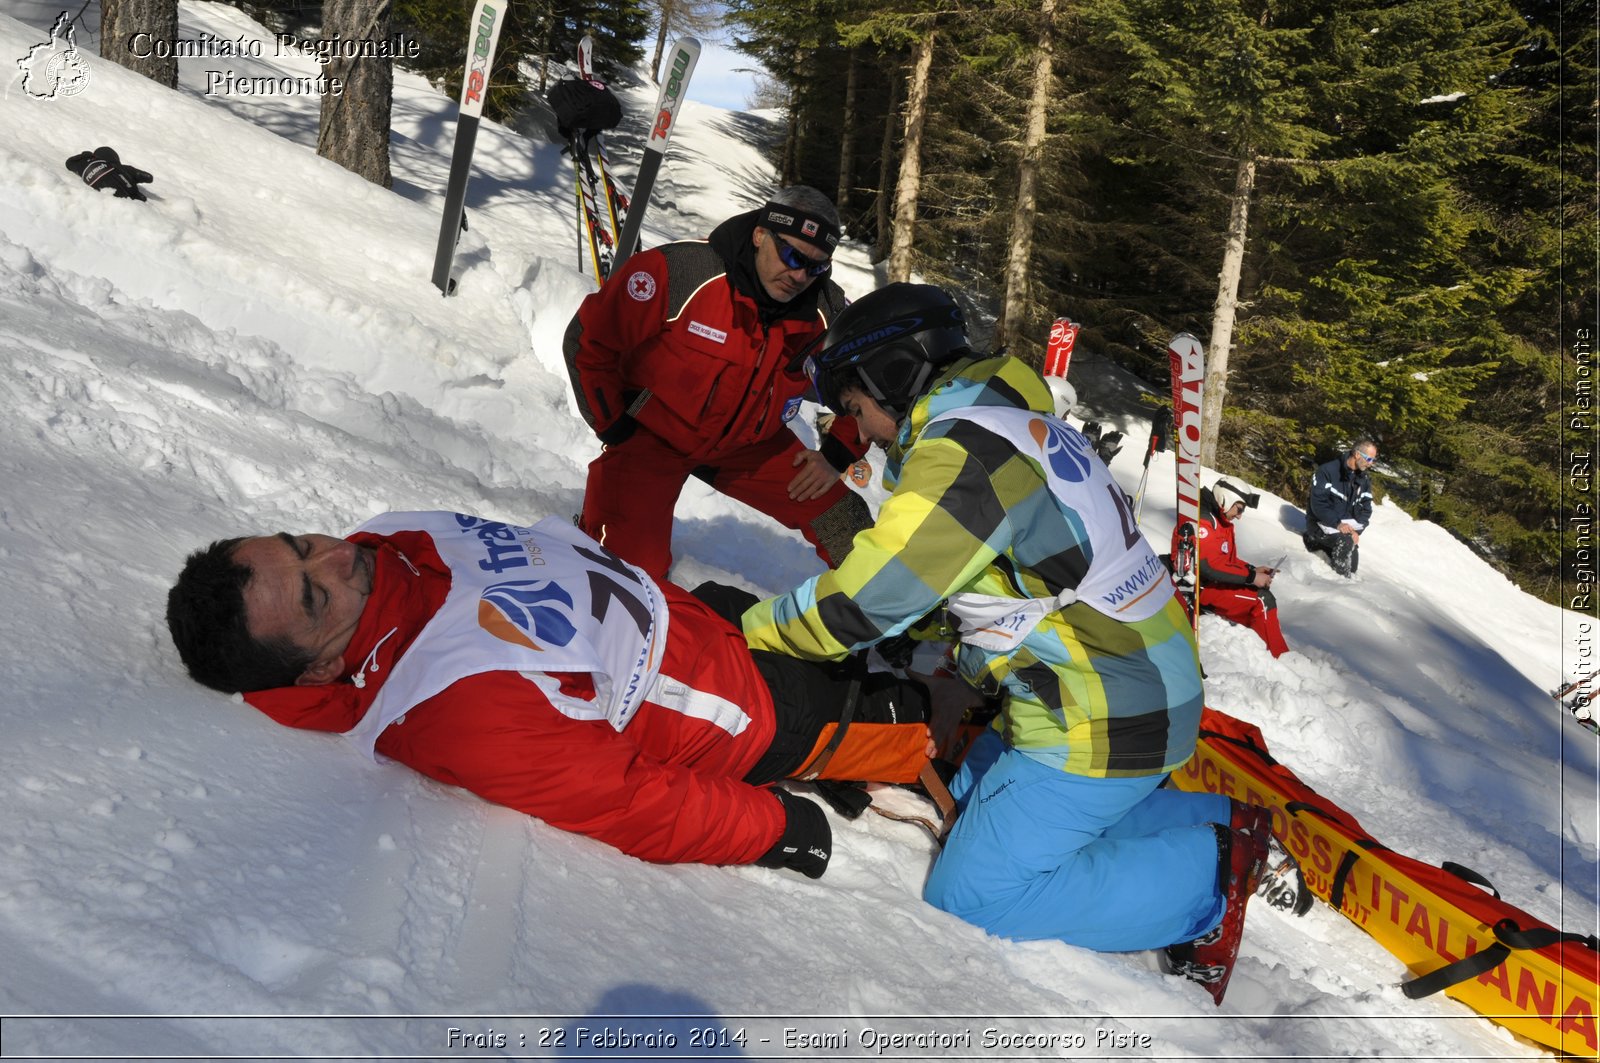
(623,427)
(101,168)
(618,431)
(806,842)
(897,650)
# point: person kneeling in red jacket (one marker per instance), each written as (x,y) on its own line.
(538,670)
(1230,586)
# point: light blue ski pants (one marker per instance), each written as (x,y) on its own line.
(1108,864)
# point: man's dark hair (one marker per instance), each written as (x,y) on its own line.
(205,613)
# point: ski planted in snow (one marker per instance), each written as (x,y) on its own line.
(584,108)
(484,35)
(1057,356)
(591,229)
(680,66)
(586,57)
(1058,352)
(1187,358)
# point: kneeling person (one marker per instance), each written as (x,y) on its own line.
(1005,513)
(536,669)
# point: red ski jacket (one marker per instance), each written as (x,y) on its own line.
(1217,555)
(674,340)
(667,788)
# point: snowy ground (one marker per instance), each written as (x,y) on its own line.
(259,347)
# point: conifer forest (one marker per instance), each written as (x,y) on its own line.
(1379,215)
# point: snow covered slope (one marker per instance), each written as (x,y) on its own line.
(258,347)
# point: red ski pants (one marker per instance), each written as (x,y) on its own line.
(633,489)
(1242,605)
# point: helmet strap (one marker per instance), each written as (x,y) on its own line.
(924,371)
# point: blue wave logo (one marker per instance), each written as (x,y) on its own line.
(1065,449)
(527,612)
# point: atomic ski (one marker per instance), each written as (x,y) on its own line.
(680,65)
(1187,359)
(485,33)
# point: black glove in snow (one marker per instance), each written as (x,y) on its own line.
(101,168)
(806,842)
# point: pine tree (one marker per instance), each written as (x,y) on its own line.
(1025,212)
(1226,82)
(682,18)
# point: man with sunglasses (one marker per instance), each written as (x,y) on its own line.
(1341,506)
(685,363)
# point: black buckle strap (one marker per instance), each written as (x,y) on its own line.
(1508,936)
(852,699)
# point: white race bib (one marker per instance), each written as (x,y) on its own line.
(538,599)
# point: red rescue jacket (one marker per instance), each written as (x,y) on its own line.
(667,788)
(1217,555)
(677,339)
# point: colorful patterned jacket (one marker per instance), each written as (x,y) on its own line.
(969,512)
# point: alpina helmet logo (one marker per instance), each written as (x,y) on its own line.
(876,336)
(518,611)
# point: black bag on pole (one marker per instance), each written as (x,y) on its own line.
(585,105)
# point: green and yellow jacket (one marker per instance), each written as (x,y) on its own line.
(970,512)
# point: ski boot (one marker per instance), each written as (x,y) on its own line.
(1241,857)
(1283,884)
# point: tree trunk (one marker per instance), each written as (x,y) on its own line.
(847,138)
(661,40)
(131,31)
(355,123)
(1227,307)
(880,246)
(905,192)
(544,58)
(789,164)
(1024,216)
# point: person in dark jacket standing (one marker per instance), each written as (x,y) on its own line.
(684,363)
(1341,506)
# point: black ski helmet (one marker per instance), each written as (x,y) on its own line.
(889,343)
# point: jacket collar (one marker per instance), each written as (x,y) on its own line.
(409,583)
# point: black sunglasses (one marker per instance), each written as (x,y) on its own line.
(793,259)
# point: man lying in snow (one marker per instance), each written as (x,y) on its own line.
(536,669)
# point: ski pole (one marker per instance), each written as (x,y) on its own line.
(1160,425)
